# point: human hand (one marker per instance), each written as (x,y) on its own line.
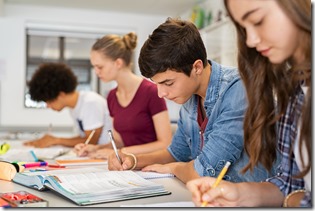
(161,168)
(83,150)
(127,161)
(226,194)
(45,141)
(101,153)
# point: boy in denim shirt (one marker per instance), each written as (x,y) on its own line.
(210,127)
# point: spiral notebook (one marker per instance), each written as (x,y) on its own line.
(153,175)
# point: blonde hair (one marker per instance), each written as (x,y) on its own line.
(115,46)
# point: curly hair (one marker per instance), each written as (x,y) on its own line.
(49,80)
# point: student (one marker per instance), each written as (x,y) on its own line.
(140,118)
(274,39)
(55,84)
(211,118)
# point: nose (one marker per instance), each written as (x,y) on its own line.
(161,92)
(252,38)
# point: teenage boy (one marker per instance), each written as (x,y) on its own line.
(55,84)
(210,127)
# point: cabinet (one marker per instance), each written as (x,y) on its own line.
(220,42)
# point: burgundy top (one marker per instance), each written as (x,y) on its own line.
(134,123)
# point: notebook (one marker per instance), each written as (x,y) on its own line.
(153,175)
(85,186)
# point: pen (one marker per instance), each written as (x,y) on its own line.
(218,180)
(90,137)
(114,145)
(34,156)
(36,164)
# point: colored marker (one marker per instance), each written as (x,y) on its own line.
(37,164)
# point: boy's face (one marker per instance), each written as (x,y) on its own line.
(56,104)
(175,86)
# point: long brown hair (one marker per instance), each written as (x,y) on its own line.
(265,82)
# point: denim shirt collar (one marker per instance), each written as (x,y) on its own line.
(213,89)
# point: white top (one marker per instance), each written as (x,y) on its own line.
(308,176)
(91,112)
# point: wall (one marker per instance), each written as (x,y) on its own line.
(13,115)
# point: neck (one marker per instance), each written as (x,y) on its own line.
(127,81)
(205,79)
(72,99)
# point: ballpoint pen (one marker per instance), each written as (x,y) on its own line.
(218,180)
(114,145)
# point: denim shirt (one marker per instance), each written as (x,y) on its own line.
(225,105)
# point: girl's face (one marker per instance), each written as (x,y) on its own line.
(104,67)
(268,29)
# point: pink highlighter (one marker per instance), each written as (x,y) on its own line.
(35,164)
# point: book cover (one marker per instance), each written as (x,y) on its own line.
(23,199)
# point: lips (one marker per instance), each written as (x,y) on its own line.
(264,52)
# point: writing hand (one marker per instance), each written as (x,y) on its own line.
(114,164)
(226,194)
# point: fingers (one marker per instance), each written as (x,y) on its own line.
(197,187)
(114,164)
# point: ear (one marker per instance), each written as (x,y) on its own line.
(119,63)
(198,67)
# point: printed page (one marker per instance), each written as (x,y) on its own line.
(102,182)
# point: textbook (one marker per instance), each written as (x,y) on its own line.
(85,186)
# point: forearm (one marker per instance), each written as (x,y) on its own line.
(185,171)
(158,157)
(146,148)
(69,142)
(264,194)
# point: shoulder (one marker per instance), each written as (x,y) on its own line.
(90,97)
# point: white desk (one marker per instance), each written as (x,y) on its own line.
(176,187)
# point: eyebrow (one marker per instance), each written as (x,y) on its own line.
(245,16)
(165,81)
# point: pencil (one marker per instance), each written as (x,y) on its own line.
(90,137)
(218,180)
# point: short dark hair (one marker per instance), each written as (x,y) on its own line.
(49,80)
(176,44)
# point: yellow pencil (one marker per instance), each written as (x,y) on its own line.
(89,138)
(218,180)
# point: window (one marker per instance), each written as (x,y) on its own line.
(67,48)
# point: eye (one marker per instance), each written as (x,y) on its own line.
(169,84)
(258,23)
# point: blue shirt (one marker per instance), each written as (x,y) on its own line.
(287,134)
(225,105)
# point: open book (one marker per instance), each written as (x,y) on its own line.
(86,186)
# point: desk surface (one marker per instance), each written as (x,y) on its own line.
(177,188)
(178,191)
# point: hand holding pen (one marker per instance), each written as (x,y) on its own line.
(201,188)
(114,145)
